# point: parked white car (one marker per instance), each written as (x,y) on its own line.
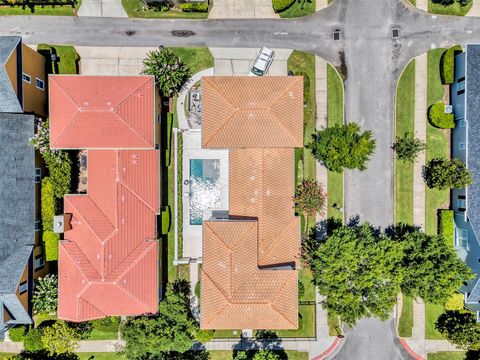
(262,62)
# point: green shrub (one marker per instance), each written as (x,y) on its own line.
(438,118)
(168,145)
(82,329)
(17,333)
(281,5)
(33,340)
(455,302)
(447,65)
(301,289)
(197,289)
(47,204)
(60,168)
(447,174)
(108,324)
(447,226)
(50,240)
(204,336)
(166,215)
(194,7)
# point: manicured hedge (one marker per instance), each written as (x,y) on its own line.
(455,302)
(47,204)
(17,333)
(281,5)
(447,65)
(165,220)
(33,340)
(194,7)
(438,118)
(447,226)
(50,240)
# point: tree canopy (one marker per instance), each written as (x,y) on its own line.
(360,269)
(59,339)
(408,147)
(460,328)
(344,146)
(173,329)
(447,173)
(168,69)
(310,198)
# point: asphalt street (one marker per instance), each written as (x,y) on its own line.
(366,54)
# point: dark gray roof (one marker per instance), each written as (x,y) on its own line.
(472,115)
(8,98)
(17,197)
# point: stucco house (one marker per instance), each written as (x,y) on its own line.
(465,96)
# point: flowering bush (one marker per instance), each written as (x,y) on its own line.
(45,296)
(310,199)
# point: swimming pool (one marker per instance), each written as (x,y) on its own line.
(204,192)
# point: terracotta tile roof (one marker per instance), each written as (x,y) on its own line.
(108,262)
(235,293)
(107,112)
(252,112)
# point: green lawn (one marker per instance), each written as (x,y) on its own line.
(305,276)
(446,355)
(307,325)
(333,325)
(405,117)
(227,355)
(437,142)
(405,323)
(299,8)
(334,117)
(103,335)
(135,8)
(66,10)
(303,64)
(227,334)
(454,9)
(196,58)
(68,58)
(432,312)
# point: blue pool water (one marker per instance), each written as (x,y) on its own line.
(204,192)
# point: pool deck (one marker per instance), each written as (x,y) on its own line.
(192,149)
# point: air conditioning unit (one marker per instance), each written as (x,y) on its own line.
(448,109)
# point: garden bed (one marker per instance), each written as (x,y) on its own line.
(454,9)
(137,8)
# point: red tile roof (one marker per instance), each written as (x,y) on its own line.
(108,262)
(103,112)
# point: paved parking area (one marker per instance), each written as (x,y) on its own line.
(242,9)
(238,61)
(112,60)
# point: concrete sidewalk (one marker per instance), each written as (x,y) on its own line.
(321,4)
(420,131)
(422,5)
(475,9)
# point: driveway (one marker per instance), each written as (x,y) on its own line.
(239,61)
(106,8)
(242,9)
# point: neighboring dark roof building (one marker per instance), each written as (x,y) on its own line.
(17,209)
(9,101)
(472,115)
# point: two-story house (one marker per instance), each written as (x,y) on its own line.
(23,100)
(465,98)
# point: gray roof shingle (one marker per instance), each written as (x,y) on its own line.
(17,197)
(8,98)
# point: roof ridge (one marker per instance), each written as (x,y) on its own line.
(77,265)
(128,293)
(124,120)
(137,196)
(274,308)
(280,236)
(73,102)
(88,302)
(228,302)
(88,224)
(136,261)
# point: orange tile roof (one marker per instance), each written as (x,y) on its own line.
(235,293)
(252,112)
(108,262)
(102,112)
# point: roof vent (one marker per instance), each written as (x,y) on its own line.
(58,224)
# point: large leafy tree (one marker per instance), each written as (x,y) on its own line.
(168,69)
(447,173)
(357,270)
(460,328)
(431,269)
(408,147)
(59,339)
(344,146)
(172,330)
(45,296)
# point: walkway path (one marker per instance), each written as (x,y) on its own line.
(182,119)
(102,8)
(422,5)
(475,9)
(242,9)
(420,131)
(321,4)
(418,330)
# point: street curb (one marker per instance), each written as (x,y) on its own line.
(410,351)
(330,349)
